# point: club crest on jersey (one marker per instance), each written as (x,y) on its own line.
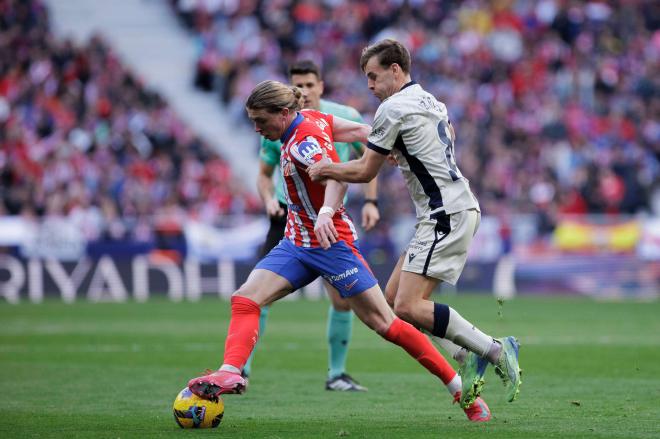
(305,151)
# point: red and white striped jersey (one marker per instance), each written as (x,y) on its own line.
(306,141)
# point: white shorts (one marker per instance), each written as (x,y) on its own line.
(439,247)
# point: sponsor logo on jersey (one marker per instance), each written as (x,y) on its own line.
(306,150)
(377,132)
(351,285)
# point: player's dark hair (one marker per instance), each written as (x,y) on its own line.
(388,52)
(304,67)
(273,96)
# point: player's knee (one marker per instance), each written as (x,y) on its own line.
(382,330)
(381,327)
(377,323)
(341,306)
(245,291)
(390,295)
(404,310)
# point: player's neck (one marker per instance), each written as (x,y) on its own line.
(405,80)
(290,118)
(287,124)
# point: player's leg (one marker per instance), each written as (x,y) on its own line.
(262,287)
(458,353)
(349,273)
(273,237)
(455,351)
(412,305)
(340,328)
(372,308)
(444,322)
(263,320)
(438,252)
(393,282)
(345,268)
(275,276)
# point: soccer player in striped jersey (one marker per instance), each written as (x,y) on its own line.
(320,241)
(413,127)
(307,76)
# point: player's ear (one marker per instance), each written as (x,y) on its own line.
(321,86)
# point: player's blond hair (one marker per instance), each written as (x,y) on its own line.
(273,96)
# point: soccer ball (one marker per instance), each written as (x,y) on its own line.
(191,411)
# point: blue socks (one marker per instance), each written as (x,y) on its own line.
(262,328)
(340,327)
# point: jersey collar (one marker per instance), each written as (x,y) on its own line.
(299,118)
(408,84)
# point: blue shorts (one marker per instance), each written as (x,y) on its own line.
(342,265)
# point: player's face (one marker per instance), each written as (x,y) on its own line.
(269,125)
(312,89)
(380,80)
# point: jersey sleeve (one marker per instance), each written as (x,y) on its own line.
(310,150)
(384,129)
(329,118)
(270,151)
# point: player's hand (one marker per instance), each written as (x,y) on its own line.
(273,208)
(325,231)
(316,170)
(370,216)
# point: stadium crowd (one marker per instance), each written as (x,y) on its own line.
(82,136)
(556,102)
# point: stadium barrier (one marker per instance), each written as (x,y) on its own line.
(118,279)
(52,259)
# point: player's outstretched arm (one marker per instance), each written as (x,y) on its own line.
(344,130)
(353,171)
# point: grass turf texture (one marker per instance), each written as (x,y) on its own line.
(112,371)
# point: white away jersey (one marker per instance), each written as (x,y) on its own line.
(413,125)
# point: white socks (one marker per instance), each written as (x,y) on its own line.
(230,368)
(464,333)
(457,352)
(455,385)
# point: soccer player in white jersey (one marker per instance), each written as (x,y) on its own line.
(413,127)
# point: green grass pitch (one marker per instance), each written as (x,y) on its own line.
(591,369)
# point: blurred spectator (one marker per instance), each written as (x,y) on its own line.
(556,102)
(83,136)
